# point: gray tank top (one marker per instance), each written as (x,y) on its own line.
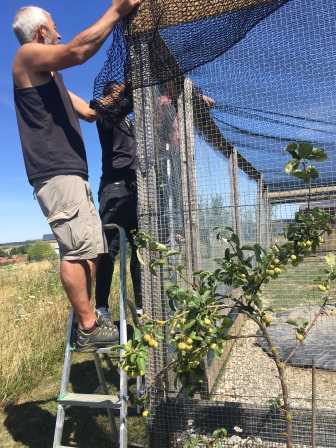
(50,133)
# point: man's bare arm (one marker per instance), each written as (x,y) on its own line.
(46,58)
(83,109)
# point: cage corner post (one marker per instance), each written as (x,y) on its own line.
(148,216)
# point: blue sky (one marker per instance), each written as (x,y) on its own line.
(279,81)
(21,218)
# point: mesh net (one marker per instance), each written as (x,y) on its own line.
(269,68)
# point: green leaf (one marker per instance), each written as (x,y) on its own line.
(259,304)
(291,166)
(192,304)
(152,265)
(257,250)
(318,155)
(301,174)
(305,150)
(139,256)
(313,173)
(153,245)
(171,252)
(217,353)
(292,322)
(227,254)
(248,247)
(190,390)
(179,267)
(142,364)
(137,334)
(161,247)
(172,304)
(227,322)
(205,296)
(235,239)
(189,324)
(222,432)
(291,148)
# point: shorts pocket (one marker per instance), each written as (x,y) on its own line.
(68,228)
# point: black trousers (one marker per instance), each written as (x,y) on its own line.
(117,205)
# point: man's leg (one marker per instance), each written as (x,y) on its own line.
(66,201)
(77,277)
(105,270)
(114,203)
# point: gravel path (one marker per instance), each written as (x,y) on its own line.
(251,377)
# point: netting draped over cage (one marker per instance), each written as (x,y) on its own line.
(216,90)
(286,85)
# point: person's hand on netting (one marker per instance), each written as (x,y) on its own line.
(116,103)
(209,102)
(124,7)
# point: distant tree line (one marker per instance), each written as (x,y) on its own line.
(36,251)
(16,250)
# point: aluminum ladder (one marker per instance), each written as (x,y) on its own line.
(111,403)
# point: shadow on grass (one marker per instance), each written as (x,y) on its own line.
(32,423)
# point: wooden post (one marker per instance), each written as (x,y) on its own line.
(188,173)
(258,212)
(235,200)
(145,126)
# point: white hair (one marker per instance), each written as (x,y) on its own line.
(26,22)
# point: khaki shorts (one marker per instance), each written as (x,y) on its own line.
(67,203)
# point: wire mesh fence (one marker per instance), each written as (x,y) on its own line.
(205,163)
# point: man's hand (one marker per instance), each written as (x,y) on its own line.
(124,7)
(208,101)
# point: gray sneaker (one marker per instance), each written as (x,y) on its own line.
(104,314)
(105,335)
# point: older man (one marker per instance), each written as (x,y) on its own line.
(54,151)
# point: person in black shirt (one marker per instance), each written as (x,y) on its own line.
(117,199)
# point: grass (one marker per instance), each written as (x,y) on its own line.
(30,422)
(33,326)
(34,315)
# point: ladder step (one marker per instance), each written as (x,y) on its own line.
(91,400)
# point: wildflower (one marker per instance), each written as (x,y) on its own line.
(237,429)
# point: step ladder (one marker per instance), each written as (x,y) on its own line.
(111,403)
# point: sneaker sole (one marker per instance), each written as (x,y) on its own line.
(94,346)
